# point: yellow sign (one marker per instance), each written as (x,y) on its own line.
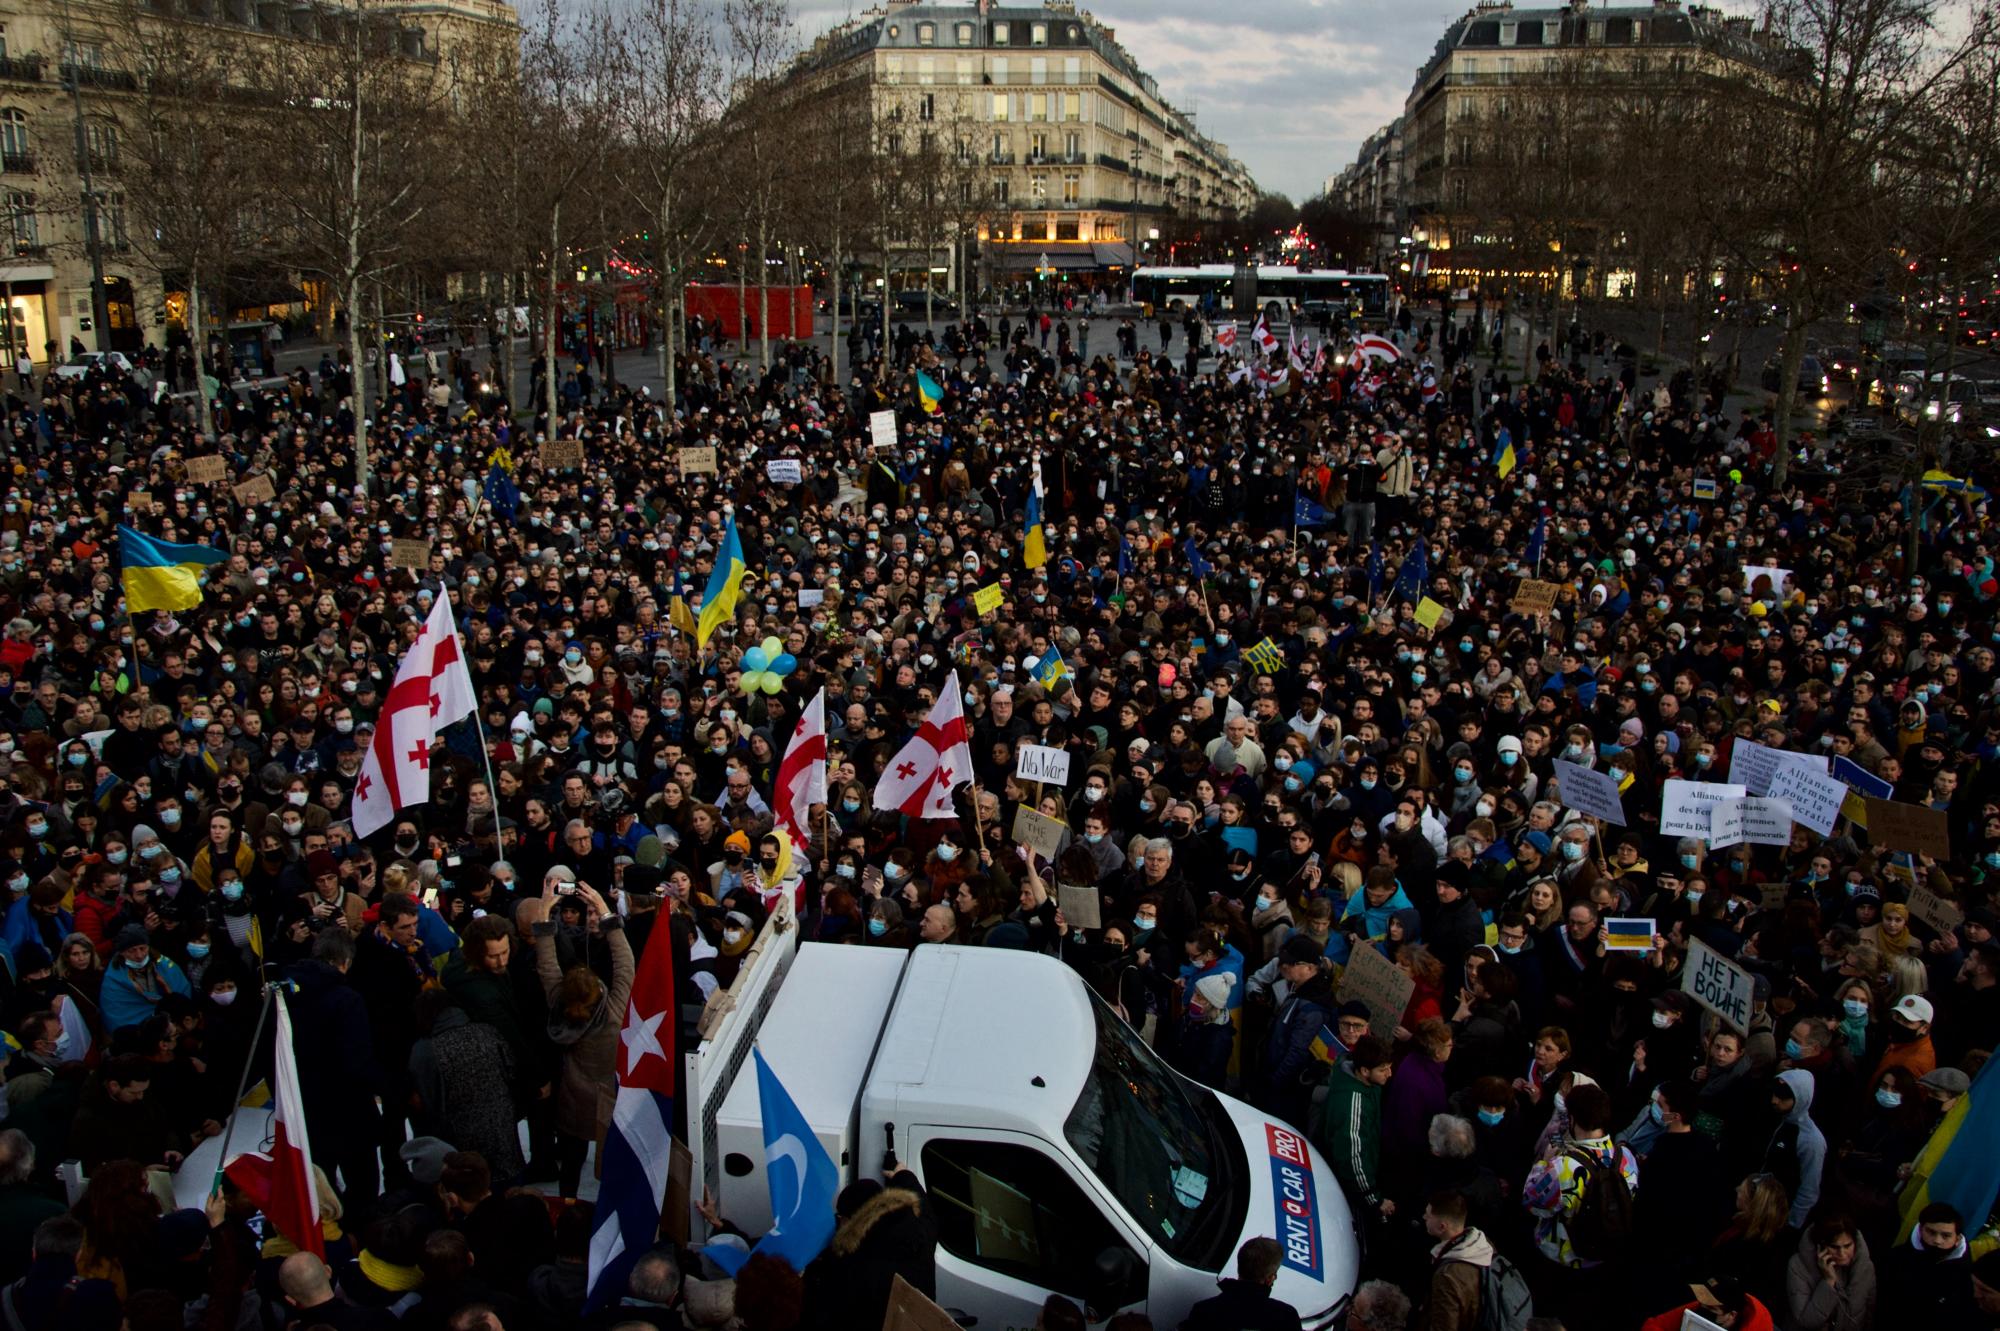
(987,599)
(1429,612)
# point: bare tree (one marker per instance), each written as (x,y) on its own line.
(188,165)
(760,123)
(839,161)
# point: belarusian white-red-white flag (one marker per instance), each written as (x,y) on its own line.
(278,1175)
(432,690)
(1225,336)
(920,778)
(1373,346)
(802,774)
(1266,340)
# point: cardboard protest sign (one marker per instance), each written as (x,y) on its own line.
(1815,796)
(1718,984)
(1940,913)
(256,490)
(1429,612)
(1038,832)
(696,461)
(409,554)
(1381,984)
(140,501)
(909,1310)
(987,599)
(1912,827)
(882,429)
(207,470)
(1082,908)
(810,597)
(1590,792)
(784,471)
(1038,762)
(562,454)
(1684,805)
(1534,597)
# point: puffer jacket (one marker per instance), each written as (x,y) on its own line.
(894,1233)
(588,1088)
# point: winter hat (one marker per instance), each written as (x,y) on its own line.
(321,862)
(1509,744)
(1214,991)
(425,1156)
(132,935)
(1539,840)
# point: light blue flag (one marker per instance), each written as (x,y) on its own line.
(802,1178)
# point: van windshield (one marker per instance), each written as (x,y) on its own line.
(1162,1145)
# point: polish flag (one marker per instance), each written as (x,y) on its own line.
(802,775)
(920,778)
(279,1177)
(432,690)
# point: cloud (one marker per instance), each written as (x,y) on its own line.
(1292,86)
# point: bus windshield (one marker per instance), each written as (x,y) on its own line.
(1163,1146)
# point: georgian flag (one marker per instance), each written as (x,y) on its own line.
(432,690)
(802,775)
(920,778)
(1373,346)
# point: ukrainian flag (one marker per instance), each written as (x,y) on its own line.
(1959,1164)
(1051,668)
(1035,544)
(929,392)
(725,586)
(159,575)
(1504,460)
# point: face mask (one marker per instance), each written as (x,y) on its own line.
(1888,1099)
(1793,1049)
(1146,921)
(844,870)
(1689,860)
(892,871)
(1368,783)
(732,936)
(232,891)
(573,658)
(1093,838)
(138,965)
(78,759)
(1484,808)
(1662,1020)
(1694,896)
(293,827)
(170,877)
(117,856)
(1854,1007)
(170,817)
(38,830)
(296,798)
(1492,1118)
(877,927)
(1092,794)
(1462,775)
(947,852)
(852,806)
(1508,758)
(1145,806)
(197,950)
(1572,850)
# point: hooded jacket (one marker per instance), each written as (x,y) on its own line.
(894,1233)
(1848,1305)
(1797,1151)
(1458,1266)
(1932,1290)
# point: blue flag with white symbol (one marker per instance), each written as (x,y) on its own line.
(802,1179)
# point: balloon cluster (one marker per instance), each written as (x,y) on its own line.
(765,667)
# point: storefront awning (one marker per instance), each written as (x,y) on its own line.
(1062,256)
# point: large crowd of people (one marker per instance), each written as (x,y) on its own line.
(1276,632)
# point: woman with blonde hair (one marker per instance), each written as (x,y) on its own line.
(1755,1247)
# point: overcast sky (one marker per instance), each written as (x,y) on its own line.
(1292,86)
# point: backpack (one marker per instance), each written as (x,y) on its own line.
(1602,1223)
(1505,1303)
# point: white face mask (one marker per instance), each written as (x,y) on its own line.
(224,997)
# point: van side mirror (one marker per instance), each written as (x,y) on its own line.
(1117,1271)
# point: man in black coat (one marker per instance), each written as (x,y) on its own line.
(338,1075)
(883,1232)
(1245,1303)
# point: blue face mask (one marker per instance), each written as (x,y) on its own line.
(1572,850)
(1889,1099)
(1657,1114)
(1368,783)
(1462,775)
(1093,837)
(852,806)
(947,852)
(1492,1117)
(1694,897)
(138,965)
(1793,1049)
(197,950)
(232,891)
(1854,1007)
(1505,950)
(1508,757)
(1690,860)
(877,927)
(1145,806)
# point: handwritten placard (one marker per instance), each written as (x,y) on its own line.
(562,455)
(257,490)
(1428,613)
(1912,827)
(1534,597)
(409,553)
(987,599)
(207,470)
(1373,979)
(140,501)
(1718,984)
(1038,832)
(1940,913)
(784,471)
(882,429)
(1081,906)
(697,461)
(1039,762)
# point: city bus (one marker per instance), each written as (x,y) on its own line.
(1282,290)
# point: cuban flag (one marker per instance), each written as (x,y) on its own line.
(639,1142)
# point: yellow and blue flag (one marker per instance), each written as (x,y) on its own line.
(725,586)
(929,392)
(160,575)
(1051,668)
(1504,460)
(1035,539)
(1265,656)
(1959,1165)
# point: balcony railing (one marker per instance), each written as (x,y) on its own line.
(17,163)
(1000,159)
(22,68)
(101,76)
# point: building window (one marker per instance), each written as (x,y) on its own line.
(1038,188)
(1067,228)
(927,34)
(1038,34)
(999,146)
(3,41)
(963,33)
(999,108)
(1072,189)
(102,136)
(965,194)
(113,221)
(1038,70)
(964,70)
(14,134)
(1073,145)
(927,106)
(1072,69)
(1072,106)
(999,189)
(927,70)
(1038,145)
(1038,106)
(1506,69)
(892,69)
(22,227)
(1000,34)
(1509,33)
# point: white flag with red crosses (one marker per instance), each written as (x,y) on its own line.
(433,689)
(938,758)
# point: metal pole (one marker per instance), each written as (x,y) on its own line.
(243,1083)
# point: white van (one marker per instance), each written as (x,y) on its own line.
(1061,1154)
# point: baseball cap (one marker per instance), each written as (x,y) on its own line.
(1914,1007)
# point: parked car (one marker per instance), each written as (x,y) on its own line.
(1932,398)
(76,367)
(1813,378)
(911,302)
(1840,362)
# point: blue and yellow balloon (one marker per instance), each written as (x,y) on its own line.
(765,667)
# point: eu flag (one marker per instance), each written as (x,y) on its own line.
(1538,539)
(1198,564)
(1415,574)
(1306,513)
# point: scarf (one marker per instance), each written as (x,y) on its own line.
(387,1275)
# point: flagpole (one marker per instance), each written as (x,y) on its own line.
(243,1082)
